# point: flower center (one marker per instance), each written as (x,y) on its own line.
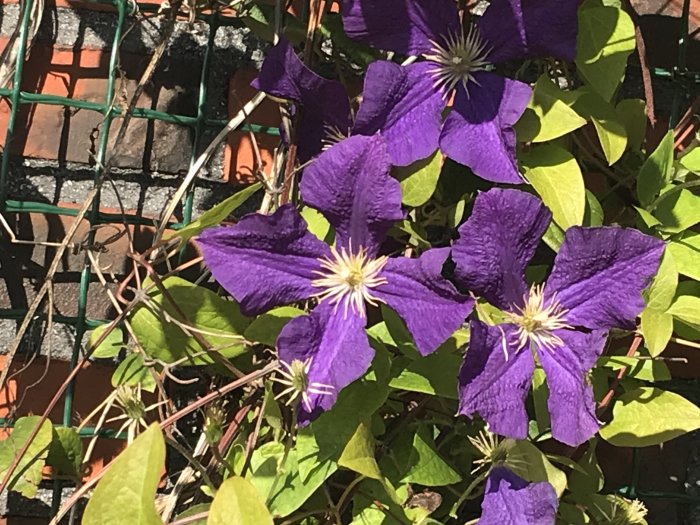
(331,136)
(458,58)
(295,376)
(349,278)
(539,319)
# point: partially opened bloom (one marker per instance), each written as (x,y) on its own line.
(266,261)
(596,284)
(478,132)
(326,117)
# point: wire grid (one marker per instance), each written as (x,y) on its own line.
(680,75)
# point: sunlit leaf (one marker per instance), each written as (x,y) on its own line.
(358,454)
(110,345)
(655,171)
(649,416)
(238,501)
(27,474)
(126,494)
(419,180)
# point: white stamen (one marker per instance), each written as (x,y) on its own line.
(332,135)
(295,376)
(458,59)
(349,278)
(539,319)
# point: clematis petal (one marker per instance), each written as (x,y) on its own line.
(427,302)
(493,386)
(338,349)
(403,105)
(479,133)
(510,500)
(599,275)
(496,245)
(264,260)
(403,26)
(324,103)
(350,184)
(571,404)
(519,29)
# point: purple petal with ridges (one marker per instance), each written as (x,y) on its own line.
(264,260)
(571,404)
(338,348)
(403,26)
(518,29)
(428,303)
(323,102)
(403,104)
(492,386)
(510,500)
(479,133)
(350,184)
(599,275)
(496,245)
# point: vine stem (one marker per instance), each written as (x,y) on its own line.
(605,402)
(472,486)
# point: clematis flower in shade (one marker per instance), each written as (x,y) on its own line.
(596,284)
(326,117)
(510,499)
(323,103)
(478,132)
(267,261)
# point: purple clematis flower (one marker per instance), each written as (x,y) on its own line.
(325,111)
(478,132)
(596,284)
(324,105)
(510,499)
(266,261)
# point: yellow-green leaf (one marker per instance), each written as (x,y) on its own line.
(418,181)
(656,171)
(549,114)
(687,309)
(238,502)
(358,454)
(649,416)
(632,112)
(217,214)
(557,178)
(126,494)
(657,328)
(686,253)
(605,40)
(534,466)
(110,345)
(27,475)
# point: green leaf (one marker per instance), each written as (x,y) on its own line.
(27,475)
(553,237)
(328,435)
(611,131)
(656,171)
(110,345)
(428,375)
(549,114)
(193,511)
(678,212)
(632,112)
(657,328)
(533,465)
(594,216)
(663,287)
(687,309)
(649,416)
(165,340)
(318,224)
(266,327)
(540,395)
(419,180)
(238,501)
(217,214)
(126,494)
(589,479)
(605,40)
(644,369)
(281,484)
(691,160)
(425,465)
(686,253)
(133,371)
(557,178)
(358,454)
(66,452)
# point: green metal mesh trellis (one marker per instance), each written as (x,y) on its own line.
(81,323)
